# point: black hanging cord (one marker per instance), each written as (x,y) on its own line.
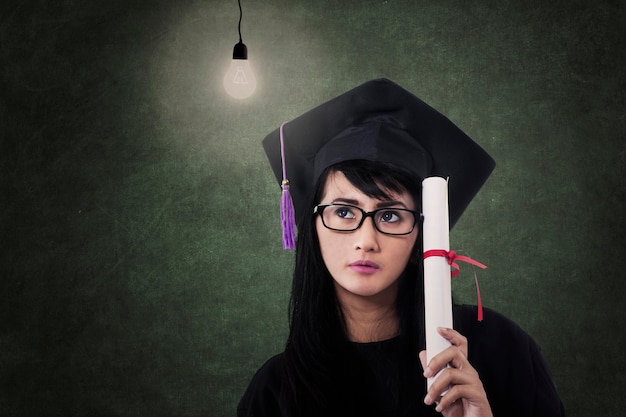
(240,51)
(240,16)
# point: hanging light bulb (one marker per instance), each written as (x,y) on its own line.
(239,81)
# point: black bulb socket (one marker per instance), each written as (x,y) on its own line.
(240,51)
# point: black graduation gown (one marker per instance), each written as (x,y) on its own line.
(511,366)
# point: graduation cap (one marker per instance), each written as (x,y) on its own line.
(378,121)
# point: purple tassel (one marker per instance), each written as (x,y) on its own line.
(287,218)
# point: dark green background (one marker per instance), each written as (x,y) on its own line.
(142,273)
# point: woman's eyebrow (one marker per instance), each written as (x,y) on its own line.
(380,204)
(390,203)
(346,201)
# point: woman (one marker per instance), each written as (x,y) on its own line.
(356,345)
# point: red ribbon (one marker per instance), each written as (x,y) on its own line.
(451,257)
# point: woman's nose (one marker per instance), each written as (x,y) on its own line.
(367,236)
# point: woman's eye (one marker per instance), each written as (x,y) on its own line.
(344,213)
(389,216)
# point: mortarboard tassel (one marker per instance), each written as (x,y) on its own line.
(287,218)
(287,214)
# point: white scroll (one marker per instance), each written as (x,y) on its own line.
(437,286)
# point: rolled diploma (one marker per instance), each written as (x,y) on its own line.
(437,287)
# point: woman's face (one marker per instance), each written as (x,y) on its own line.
(365,264)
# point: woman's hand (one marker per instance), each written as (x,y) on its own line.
(459,378)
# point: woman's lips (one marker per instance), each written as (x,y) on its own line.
(364,267)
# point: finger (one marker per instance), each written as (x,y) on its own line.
(449,356)
(454,337)
(452,356)
(428,372)
(473,393)
(454,394)
(450,377)
(452,385)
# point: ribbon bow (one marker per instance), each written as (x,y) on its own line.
(452,257)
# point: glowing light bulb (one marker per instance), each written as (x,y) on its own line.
(239,81)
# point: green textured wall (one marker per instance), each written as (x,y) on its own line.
(142,273)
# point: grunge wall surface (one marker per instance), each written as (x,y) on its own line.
(141,268)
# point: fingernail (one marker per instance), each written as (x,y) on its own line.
(438,408)
(428,400)
(427,372)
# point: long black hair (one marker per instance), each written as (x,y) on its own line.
(319,359)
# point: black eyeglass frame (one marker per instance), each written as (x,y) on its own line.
(417,216)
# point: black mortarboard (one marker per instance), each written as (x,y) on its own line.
(379,121)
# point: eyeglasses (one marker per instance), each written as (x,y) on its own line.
(347,218)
